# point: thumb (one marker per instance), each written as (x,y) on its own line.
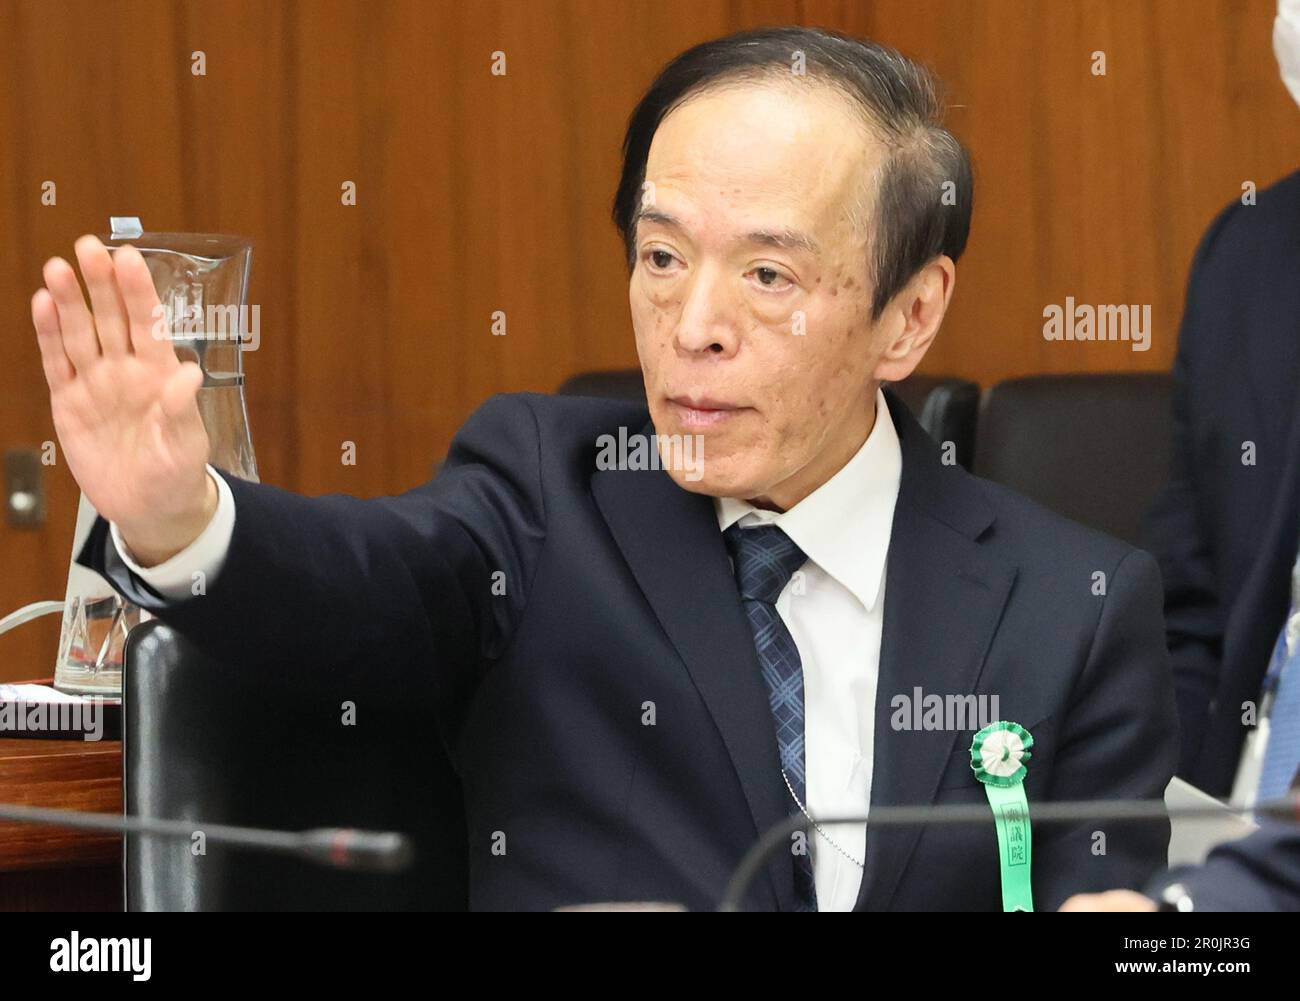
(180,390)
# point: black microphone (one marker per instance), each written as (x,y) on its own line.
(1286,810)
(335,847)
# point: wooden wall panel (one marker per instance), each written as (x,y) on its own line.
(479,193)
(1093,187)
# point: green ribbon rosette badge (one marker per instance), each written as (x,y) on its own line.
(997,756)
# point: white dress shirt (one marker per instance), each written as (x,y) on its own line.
(843,527)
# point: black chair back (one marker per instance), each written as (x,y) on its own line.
(1094,448)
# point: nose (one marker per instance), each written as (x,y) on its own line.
(706,324)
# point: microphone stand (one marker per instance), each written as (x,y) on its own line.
(335,847)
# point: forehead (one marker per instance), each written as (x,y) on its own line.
(791,154)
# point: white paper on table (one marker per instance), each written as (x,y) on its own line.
(1192,838)
(38,693)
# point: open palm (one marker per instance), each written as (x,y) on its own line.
(124,405)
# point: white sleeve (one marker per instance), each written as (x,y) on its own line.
(174,578)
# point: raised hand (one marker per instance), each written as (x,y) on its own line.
(124,405)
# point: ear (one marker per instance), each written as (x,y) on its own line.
(913,317)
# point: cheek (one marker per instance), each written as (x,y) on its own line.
(830,352)
(841,337)
(822,374)
(652,327)
(651,314)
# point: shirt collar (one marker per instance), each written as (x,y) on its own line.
(844,525)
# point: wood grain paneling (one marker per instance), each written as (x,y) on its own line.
(479,193)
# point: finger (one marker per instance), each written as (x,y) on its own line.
(101,282)
(79,339)
(180,390)
(45,318)
(150,335)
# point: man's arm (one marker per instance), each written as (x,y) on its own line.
(1175,529)
(1260,872)
(1182,544)
(309,584)
(306,584)
(1119,740)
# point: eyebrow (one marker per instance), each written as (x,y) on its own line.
(786,239)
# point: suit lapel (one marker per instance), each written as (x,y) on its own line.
(944,596)
(671,542)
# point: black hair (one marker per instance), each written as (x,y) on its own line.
(925,187)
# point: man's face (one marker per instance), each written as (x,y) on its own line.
(761,344)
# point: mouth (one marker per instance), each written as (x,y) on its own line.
(703,411)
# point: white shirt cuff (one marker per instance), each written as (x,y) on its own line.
(174,578)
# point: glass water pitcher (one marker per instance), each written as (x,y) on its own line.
(202,283)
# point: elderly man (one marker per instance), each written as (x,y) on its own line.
(654,639)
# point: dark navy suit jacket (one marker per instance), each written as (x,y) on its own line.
(618,593)
(1260,872)
(1225,530)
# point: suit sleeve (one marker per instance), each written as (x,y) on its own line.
(433,579)
(1176,530)
(1119,740)
(1260,872)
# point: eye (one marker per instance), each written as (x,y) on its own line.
(659,260)
(770,278)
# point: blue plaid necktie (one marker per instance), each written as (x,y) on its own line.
(764,559)
(1282,752)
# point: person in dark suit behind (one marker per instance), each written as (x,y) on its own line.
(655,634)
(1226,527)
